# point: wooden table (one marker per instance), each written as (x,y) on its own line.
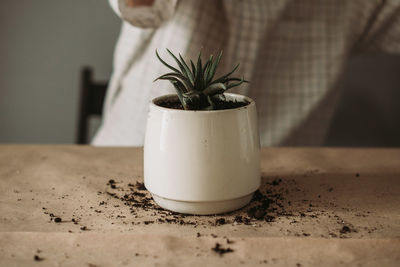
(326,207)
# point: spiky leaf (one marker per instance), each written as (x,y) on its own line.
(216,88)
(223,77)
(195,86)
(182,67)
(235,84)
(176,77)
(213,67)
(165,63)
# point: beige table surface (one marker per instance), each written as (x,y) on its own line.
(329,207)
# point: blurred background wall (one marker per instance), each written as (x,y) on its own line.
(45,43)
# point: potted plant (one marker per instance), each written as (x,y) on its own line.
(201,151)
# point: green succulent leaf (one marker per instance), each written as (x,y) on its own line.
(234,79)
(180,90)
(182,67)
(204,80)
(193,68)
(192,99)
(222,78)
(206,68)
(172,76)
(195,86)
(187,70)
(211,102)
(165,63)
(235,84)
(213,68)
(216,88)
(198,78)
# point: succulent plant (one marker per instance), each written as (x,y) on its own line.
(195,86)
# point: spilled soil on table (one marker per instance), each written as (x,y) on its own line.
(269,204)
(265,206)
(278,203)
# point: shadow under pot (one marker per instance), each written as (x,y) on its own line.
(202,162)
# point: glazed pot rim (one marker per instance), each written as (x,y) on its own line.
(154,104)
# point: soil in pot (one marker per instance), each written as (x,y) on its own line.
(220,105)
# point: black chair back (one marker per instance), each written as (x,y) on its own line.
(91,102)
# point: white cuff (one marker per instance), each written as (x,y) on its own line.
(114,6)
(145,16)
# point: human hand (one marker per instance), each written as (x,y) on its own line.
(136,3)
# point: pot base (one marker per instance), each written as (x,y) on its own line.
(202,208)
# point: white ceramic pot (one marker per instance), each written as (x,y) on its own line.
(202,162)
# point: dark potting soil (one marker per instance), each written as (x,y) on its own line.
(218,105)
(131,204)
(220,250)
(267,205)
(264,206)
(345,229)
(220,221)
(38,258)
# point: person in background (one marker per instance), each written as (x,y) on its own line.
(292,52)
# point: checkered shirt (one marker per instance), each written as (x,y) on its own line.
(291,51)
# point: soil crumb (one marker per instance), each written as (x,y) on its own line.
(220,250)
(38,258)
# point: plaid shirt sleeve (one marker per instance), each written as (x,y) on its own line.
(145,17)
(382,30)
